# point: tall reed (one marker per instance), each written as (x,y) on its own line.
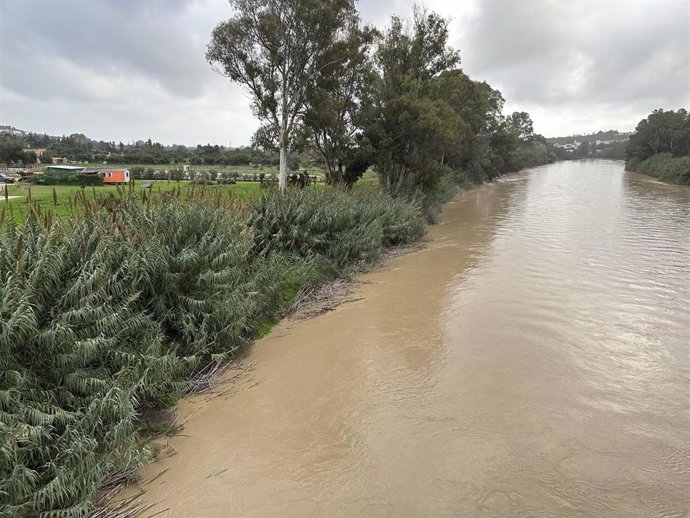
(111,312)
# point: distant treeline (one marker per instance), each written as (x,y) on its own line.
(80,148)
(660,146)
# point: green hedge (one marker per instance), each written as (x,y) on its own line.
(67,179)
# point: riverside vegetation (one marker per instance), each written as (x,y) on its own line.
(109,313)
(660,146)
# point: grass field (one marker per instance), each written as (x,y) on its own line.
(56,199)
(213,168)
(369,181)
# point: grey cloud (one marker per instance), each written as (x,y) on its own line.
(118,69)
(557,52)
(123,69)
(148,39)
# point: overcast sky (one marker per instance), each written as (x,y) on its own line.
(134,69)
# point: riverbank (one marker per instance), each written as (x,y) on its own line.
(664,167)
(529,360)
(296,362)
(137,297)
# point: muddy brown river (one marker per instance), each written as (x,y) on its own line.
(532,360)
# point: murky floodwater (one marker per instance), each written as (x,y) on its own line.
(533,360)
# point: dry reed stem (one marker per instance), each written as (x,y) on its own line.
(310,303)
(107,505)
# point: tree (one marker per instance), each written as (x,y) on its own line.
(334,103)
(521,124)
(276,49)
(584,150)
(410,131)
(661,132)
(471,102)
(29,157)
(47,157)
(11,150)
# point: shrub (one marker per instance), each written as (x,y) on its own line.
(345,228)
(77,355)
(199,273)
(68,179)
(99,321)
(663,166)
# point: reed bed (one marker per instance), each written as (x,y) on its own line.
(137,299)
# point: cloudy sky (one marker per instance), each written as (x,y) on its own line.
(134,69)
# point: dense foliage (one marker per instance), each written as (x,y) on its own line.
(660,146)
(345,229)
(665,167)
(393,100)
(12,150)
(661,132)
(67,178)
(108,315)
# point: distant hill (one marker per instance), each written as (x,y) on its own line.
(602,144)
(5,128)
(609,135)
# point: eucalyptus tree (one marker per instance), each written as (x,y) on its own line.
(522,125)
(334,112)
(411,131)
(276,49)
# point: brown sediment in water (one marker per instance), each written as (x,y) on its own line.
(531,360)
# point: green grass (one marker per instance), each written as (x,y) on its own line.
(369,182)
(55,199)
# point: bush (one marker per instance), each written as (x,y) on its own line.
(77,355)
(137,172)
(100,321)
(68,179)
(345,228)
(432,201)
(663,166)
(199,275)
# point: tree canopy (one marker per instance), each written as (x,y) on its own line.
(357,97)
(661,132)
(277,49)
(660,146)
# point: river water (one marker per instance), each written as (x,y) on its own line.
(532,360)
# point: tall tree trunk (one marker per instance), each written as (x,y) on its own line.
(340,177)
(282,172)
